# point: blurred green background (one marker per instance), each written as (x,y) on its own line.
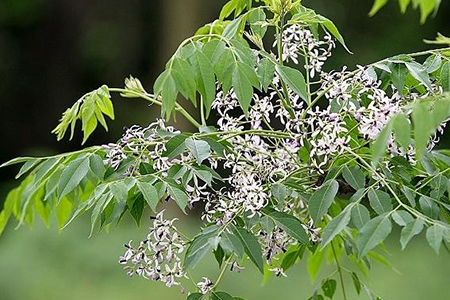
(53,51)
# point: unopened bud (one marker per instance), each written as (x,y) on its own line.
(134,84)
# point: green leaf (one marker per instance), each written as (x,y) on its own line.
(265,72)
(373,233)
(199,149)
(445,76)
(72,175)
(224,70)
(63,211)
(403,5)
(251,246)
(380,201)
(88,204)
(199,247)
(378,4)
(231,244)
(329,288)
(329,25)
(314,263)
(221,296)
(290,225)
(409,196)
(427,116)
(317,297)
(120,191)
(27,166)
(335,227)
(175,146)
(101,204)
(165,87)
(214,50)
(294,79)
(402,217)
(428,207)
(115,210)
(206,81)
(426,8)
(439,185)
(354,177)
(207,169)
(228,9)
(360,216)
(11,199)
(435,235)
(150,194)
(398,76)
(291,257)
(356,283)
(383,66)
(178,196)
(97,166)
(17,160)
(402,131)
(242,85)
(233,28)
(194,296)
(215,145)
(103,101)
(446,232)
(51,186)
(214,241)
(409,231)
(100,118)
(185,82)
(204,175)
(419,73)
(321,200)
(47,169)
(422,127)
(358,195)
(432,63)
(146,168)
(380,144)
(267,224)
(256,17)
(279,192)
(187,51)
(89,123)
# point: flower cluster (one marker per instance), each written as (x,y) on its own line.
(362,97)
(298,41)
(143,144)
(274,243)
(245,195)
(328,136)
(283,138)
(205,286)
(157,257)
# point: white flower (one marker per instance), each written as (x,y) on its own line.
(278,272)
(157,257)
(297,41)
(274,243)
(205,286)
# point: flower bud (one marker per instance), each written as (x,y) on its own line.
(282,7)
(134,84)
